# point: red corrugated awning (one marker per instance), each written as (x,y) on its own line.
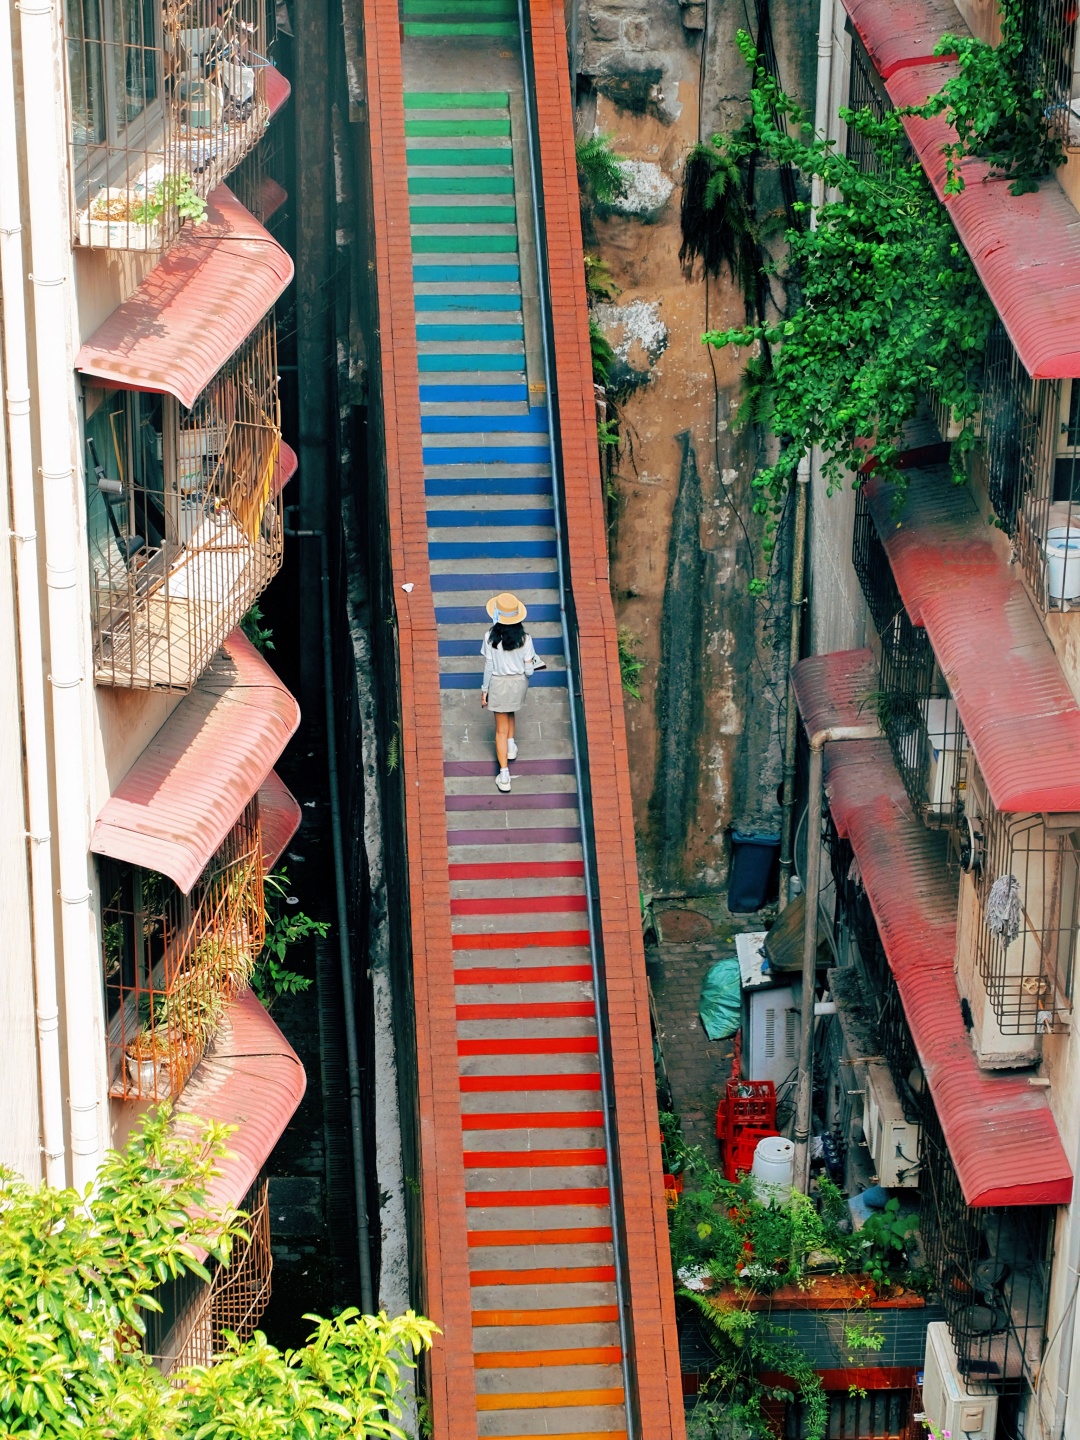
(1026,248)
(1016,707)
(252,1078)
(195,309)
(188,788)
(271,197)
(999,1129)
(278,89)
(279,818)
(286,467)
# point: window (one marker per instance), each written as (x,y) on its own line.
(183,518)
(173,961)
(166,99)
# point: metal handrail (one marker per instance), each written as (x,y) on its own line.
(574,696)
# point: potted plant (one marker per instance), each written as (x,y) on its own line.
(146,1056)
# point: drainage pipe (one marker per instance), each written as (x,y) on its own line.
(64,559)
(1071,1293)
(363,1232)
(818,741)
(12,283)
(791,724)
(822,98)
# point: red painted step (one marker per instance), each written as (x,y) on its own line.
(549,1010)
(477,1084)
(519,905)
(518,870)
(523,940)
(525,975)
(557,1045)
(535,1120)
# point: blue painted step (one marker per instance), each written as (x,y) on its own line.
(470,362)
(486,454)
(545,679)
(467,302)
(535,423)
(497,549)
(451,333)
(477,615)
(546,645)
(511,580)
(473,394)
(529,485)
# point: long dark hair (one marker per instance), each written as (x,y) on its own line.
(507,637)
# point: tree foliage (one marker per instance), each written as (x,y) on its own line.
(78,1273)
(888,304)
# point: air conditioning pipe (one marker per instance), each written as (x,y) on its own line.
(49,236)
(804,1093)
(28,612)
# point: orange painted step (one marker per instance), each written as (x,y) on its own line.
(528,1359)
(572,1315)
(535,1120)
(582,1235)
(523,940)
(550,1400)
(475,1084)
(527,1159)
(583,1275)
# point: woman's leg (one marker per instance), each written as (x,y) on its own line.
(502,734)
(510,729)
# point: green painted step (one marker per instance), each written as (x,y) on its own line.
(462,214)
(453,99)
(463,244)
(455,128)
(461,185)
(505,156)
(505,28)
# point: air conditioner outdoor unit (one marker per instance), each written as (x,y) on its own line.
(772,1051)
(955,1406)
(892,1139)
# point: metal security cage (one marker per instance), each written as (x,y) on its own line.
(992,1269)
(1047,62)
(872,566)
(1027,883)
(183,517)
(166,99)
(194,1316)
(172,962)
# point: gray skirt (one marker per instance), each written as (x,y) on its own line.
(506,693)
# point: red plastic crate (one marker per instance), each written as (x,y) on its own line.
(738,1151)
(750,1102)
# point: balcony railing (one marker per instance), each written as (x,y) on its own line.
(185,521)
(173,961)
(913,702)
(1027,883)
(233,1301)
(166,99)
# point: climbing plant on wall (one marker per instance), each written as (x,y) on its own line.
(888,305)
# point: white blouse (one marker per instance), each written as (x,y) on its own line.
(498,661)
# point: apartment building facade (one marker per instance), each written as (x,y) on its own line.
(951,854)
(143,469)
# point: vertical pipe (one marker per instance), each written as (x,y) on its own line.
(821,98)
(49,233)
(791,724)
(28,610)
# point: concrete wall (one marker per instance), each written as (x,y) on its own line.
(703,737)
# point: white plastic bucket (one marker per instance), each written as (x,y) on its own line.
(1063,562)
(773,1168)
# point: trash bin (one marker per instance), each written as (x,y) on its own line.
(754,875)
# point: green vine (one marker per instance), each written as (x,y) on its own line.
(996,113)
(889,306)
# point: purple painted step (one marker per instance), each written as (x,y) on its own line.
(562,801)
(521,767)
(561,835)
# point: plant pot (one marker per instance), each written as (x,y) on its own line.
(143,1072)
(119,234)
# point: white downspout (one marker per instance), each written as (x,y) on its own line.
(822,98)
(12,281)
(49,235)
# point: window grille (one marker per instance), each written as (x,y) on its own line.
(1026,960)
(173,962)
(865,92)
(873,569)
(1048,58)
(194,1317)
(992,1271)
(184,519)
(166,96)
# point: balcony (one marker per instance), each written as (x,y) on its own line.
(173,961)
(166,99)
(183,517)
(195,1315)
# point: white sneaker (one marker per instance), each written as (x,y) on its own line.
(511,749)
(502,781)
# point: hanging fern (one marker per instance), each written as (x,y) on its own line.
(719,223)
(600,172)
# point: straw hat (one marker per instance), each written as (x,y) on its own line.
(506,609)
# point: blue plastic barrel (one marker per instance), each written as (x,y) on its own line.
(754,874)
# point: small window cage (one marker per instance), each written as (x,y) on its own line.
(172,962)
(184,519)
(992,1271)
(873,569)
(167,97)
(1048,59)
(194,1316)
(1027,882)
(865,92)
(258,182)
